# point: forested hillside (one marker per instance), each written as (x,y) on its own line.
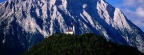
(86,44)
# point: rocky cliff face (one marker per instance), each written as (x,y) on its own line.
(24,23)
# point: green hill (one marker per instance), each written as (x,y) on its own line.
(86,44)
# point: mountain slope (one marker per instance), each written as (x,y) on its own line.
(24,23)
(86,44)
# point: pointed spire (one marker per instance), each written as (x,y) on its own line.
(73,28)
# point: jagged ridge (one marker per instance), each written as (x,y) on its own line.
(24,23)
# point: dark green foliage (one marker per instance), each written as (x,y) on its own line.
(86,44)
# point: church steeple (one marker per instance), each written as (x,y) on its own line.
(71,31)
(73,28)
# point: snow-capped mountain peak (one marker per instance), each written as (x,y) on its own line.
(24,23)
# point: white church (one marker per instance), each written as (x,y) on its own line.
(71,30)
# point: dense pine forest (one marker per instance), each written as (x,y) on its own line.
(86,44)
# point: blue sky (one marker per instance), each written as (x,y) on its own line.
(2,0)
(114,2)
(133,9)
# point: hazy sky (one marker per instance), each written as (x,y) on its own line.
(133,9)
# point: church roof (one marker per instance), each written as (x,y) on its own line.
(70,31)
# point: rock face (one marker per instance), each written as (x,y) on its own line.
(24,23)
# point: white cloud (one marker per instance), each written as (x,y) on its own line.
(132,3)
(128,2)
(140,11)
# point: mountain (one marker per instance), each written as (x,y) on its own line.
(24,23)
(85,44)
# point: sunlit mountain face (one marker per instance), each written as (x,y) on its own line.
(24,23)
